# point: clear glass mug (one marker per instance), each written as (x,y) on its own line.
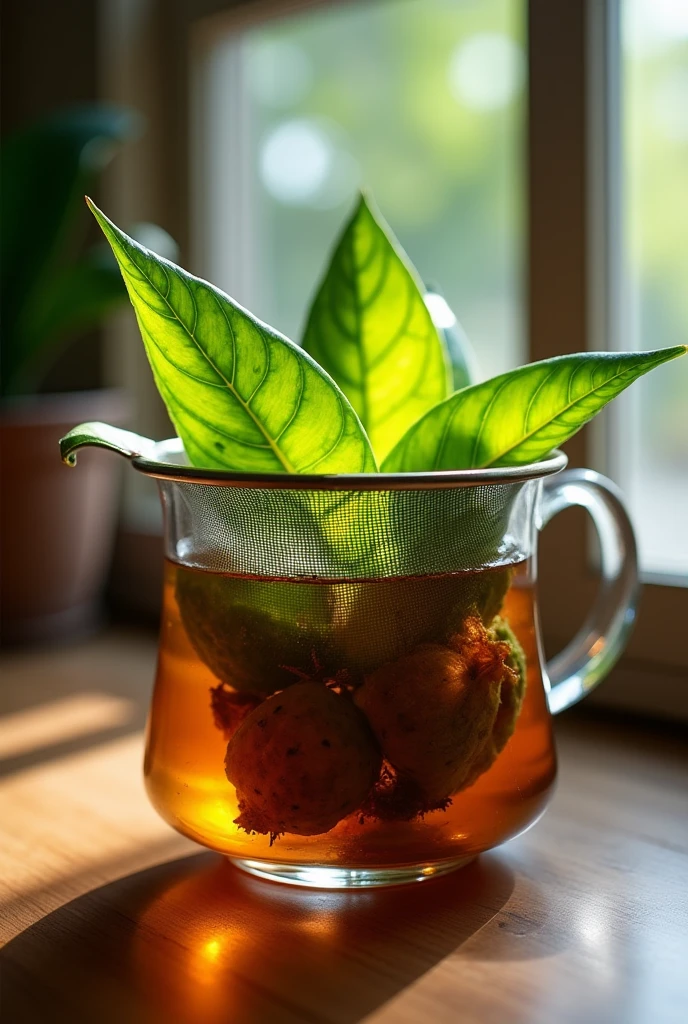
(350,687)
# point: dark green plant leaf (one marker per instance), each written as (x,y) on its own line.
(370,329)
(45,170)
(241,396)
(520,416)
(73,299)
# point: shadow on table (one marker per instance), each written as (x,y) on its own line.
(198,941)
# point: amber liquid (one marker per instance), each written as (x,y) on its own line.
(186,750)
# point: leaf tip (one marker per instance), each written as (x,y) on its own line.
(675,352)
(67,453)
(115,236)
(366,204)
(92,207)
(97,213)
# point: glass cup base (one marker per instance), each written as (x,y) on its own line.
(315,877)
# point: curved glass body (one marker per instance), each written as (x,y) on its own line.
(186,750)
(350,686)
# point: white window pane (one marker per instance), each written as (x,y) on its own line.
(652,439)
(422,102)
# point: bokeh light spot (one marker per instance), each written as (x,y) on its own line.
(486,71)
(295,161)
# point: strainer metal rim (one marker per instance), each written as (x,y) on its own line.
(161,469)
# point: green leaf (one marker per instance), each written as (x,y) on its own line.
(241,396)
(103,435)
(520,416)
(462,359)
(45,170)
(71,300)
(370,329)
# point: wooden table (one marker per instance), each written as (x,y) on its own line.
(111,917)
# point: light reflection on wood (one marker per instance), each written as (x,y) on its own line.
(59,720)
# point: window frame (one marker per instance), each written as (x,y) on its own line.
(572,294)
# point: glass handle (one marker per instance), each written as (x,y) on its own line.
(578,669)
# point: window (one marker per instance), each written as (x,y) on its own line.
(419,100)
(505,190)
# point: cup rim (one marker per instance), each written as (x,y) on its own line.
(166,470)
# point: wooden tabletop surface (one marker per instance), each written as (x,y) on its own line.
(109,916)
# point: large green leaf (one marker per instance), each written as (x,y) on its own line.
(241,396)
(520,416)
(370,329)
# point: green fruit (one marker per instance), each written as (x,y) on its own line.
(380,620)
(260,636)
(512,694)
(302,761)
(510,700)
(255,636)
(433,710)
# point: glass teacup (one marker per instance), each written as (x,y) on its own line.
(350,687)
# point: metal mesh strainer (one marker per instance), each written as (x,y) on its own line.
(282,576)
(348,528)
(346,534)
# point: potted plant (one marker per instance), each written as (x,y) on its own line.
(53,288)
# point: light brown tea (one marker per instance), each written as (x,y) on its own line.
(368,672)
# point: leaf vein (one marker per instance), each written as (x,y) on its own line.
(282,458)
(607,383)
(342,426)
(484,419)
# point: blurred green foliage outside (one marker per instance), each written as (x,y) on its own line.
(422,103)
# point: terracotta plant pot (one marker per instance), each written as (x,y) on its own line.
(56,526)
